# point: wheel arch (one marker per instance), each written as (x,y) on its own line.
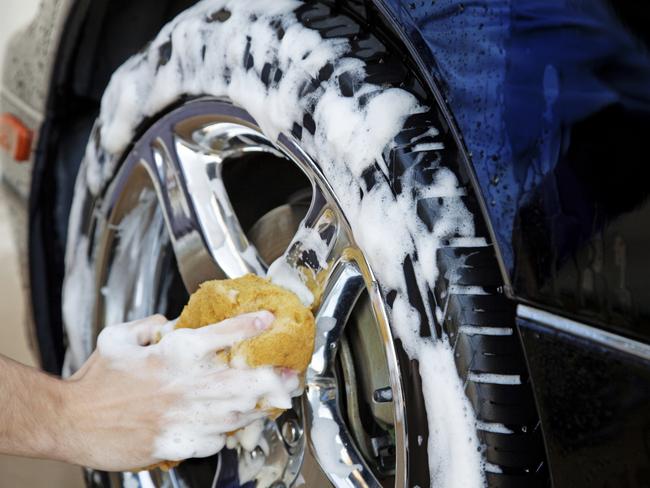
(92,45)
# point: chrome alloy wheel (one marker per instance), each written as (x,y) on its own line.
(170,220)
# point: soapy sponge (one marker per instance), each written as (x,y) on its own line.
(288,343)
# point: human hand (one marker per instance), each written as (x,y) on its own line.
(135,403)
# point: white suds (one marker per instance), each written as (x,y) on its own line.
(467,242)
(431,146)
(287,277)
(493,427)
(78,307)
(283,274)
(349,138)
(249,437)
(467,290)
(495,379)
(492,468)
(254,468)
(133,264)
(325,436)
(451,435)
(492,331)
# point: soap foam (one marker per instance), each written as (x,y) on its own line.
(325,437)
(349,138)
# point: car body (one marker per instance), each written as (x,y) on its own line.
(549,102)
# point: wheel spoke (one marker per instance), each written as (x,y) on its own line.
(314,253)
(178,164)
(206,235)
(346,284)
(325,424)
(321,255)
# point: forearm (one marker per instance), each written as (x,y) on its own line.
(32,412)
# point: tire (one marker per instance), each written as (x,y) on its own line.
(450,283)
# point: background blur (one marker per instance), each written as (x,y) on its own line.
(18,472)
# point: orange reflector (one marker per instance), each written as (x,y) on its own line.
(15,137)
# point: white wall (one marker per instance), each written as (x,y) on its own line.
(13,15)
(20,472)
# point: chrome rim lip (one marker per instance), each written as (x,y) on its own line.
(349,276)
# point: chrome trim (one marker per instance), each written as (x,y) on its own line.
(322,404)
(578,329)
(207,238)
(169,193)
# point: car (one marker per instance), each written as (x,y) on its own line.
(455,187)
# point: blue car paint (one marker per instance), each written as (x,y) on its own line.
(552,100)
(517,75)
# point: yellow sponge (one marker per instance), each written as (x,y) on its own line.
(289,342)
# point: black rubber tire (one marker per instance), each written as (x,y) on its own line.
(518,455)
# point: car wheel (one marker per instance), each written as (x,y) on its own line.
(289,139)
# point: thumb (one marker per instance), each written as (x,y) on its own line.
(145,331)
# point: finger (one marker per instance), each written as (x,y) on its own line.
(209,445)
(148,330)
(180,441)
(215,414)
(231,331)
(245,392)
(245,418)
(231,421)
(289,375)
(234,384)
(116,339)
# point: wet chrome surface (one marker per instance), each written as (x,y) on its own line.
(175,172)
(592,334)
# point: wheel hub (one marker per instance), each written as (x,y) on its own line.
(169,217)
